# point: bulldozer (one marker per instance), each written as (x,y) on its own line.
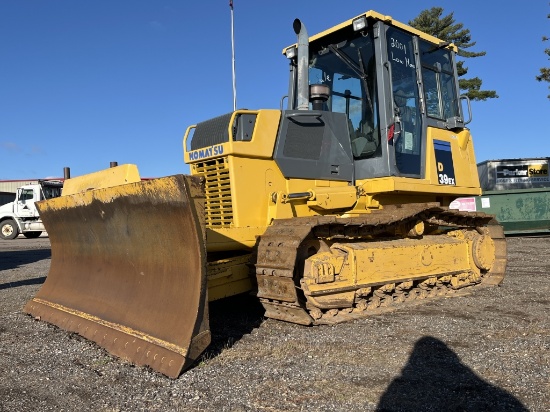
(330,209)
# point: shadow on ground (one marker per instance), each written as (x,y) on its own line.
(434,379)
(25,282)
(231,319)
(11,259)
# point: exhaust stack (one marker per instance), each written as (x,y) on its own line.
(303,65)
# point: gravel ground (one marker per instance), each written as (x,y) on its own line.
(487,350)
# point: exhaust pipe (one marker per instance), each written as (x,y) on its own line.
(303,65)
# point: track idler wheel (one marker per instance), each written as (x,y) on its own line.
(483,252)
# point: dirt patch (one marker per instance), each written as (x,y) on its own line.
(485,350)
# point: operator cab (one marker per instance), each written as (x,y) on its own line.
(389,81)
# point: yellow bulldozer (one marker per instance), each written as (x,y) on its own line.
(328,210)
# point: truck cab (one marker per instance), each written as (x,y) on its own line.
(21,215)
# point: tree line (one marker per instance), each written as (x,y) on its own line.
(444,27)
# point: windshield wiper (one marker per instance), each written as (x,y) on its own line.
(364,78)
(358,69)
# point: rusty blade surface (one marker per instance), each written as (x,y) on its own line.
(128,270)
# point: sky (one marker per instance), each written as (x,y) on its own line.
(86,83)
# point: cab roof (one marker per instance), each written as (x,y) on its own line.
(371,14)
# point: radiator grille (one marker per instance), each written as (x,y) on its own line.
(218,206)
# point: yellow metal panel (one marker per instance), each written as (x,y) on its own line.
(250,207)
(410,185)
(234,238)
(228,277)
(261,145)
(464,164)
(407,259)
(253,180)
(263,139)
(377,263)
(465,167)
(253,185)
(113,176)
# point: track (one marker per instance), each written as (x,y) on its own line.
(287,243)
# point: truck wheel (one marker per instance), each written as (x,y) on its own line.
(32,235)
(8,229)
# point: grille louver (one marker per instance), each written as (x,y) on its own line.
(218,205)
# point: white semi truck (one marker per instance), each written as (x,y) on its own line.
(21,215)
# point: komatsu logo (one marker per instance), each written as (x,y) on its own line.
(206,152)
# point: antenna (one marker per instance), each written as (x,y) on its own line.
(233,57)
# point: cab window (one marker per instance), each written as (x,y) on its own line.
(349,69)
(26,194)
(439,85)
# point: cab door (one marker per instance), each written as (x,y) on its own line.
(405,95)
(25,202)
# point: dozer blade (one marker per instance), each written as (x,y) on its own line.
(128,270)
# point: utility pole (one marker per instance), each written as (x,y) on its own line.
(233,58)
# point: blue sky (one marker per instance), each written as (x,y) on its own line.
(84,83)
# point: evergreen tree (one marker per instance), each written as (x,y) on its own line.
(545,71)
(446,29)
